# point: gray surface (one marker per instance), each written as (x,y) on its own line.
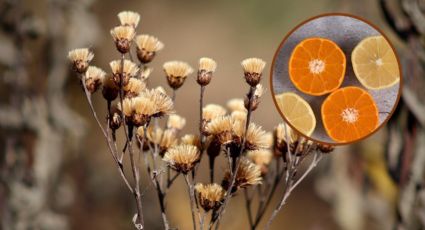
(347,32)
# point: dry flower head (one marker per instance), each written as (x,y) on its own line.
(130,70)
(253,68)
(236,104)
(93,78)
(176,122)
(123,35)
(129,18)
(176,72)
(80,59)
(210,196)
(247,174)
(206,68)
(211,111)
(164,104)
(134,87)
(147,47)
(221,128)
(182,158)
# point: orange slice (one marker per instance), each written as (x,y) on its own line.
(375,63)
(297,112)
(349,114)
(317,66)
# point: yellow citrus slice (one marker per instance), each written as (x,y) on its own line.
(375,64)
(297,112)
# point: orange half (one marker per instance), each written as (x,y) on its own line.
(349,114)
(317,66)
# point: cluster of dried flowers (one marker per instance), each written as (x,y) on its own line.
(256,158)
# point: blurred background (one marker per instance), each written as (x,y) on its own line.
(55,171)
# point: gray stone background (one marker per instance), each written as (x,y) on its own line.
(347,32)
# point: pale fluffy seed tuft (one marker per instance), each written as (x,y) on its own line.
(207,64)
(129,18)
(82,55)
(177,69)
(148,43)
(123,33)
(253,65)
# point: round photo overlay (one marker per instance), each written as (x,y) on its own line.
(336,79)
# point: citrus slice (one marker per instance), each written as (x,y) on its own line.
(375,63)
(349,114)
(317,66)
(297,112)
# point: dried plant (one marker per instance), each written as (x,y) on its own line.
(257,161)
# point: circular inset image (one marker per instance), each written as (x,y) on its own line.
(336,79)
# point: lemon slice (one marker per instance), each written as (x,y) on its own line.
(375,64)
(297,112)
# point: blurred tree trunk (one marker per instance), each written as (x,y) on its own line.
(36,122)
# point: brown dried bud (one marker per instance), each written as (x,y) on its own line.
(93,78)
(206,68)
(204,77)
(176,73)
(325,148)
(110,89)
(123,35)
(147,47)
(80,59)
(115,119)
(145,56)
(123,73)
(253,68)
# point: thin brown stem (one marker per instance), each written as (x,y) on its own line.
(192,199)
(248,201)
(291,185)
(136,177)
(108,140)
(237,159)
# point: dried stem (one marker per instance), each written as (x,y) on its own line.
(108,140)
(292,184)
(192,199)
(237,159)
(154,177)
(136,177)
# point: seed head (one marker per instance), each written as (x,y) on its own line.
(262,158)
(134,87)
(210,196)
(143,110)
(176,122)
(247,174)
(80,59)
(93,78)
(123,35)
(115,118)
(190,139)
(130,70)
(207,67)
(176,72)
(147,47)
(211,111)
(239,116)
(129,18)
(282,138)
(144,74)
(110,89)
(138,110)
(168,140)
(163,103)
(236,104)
(221,128)
(182,158)
(253,70)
